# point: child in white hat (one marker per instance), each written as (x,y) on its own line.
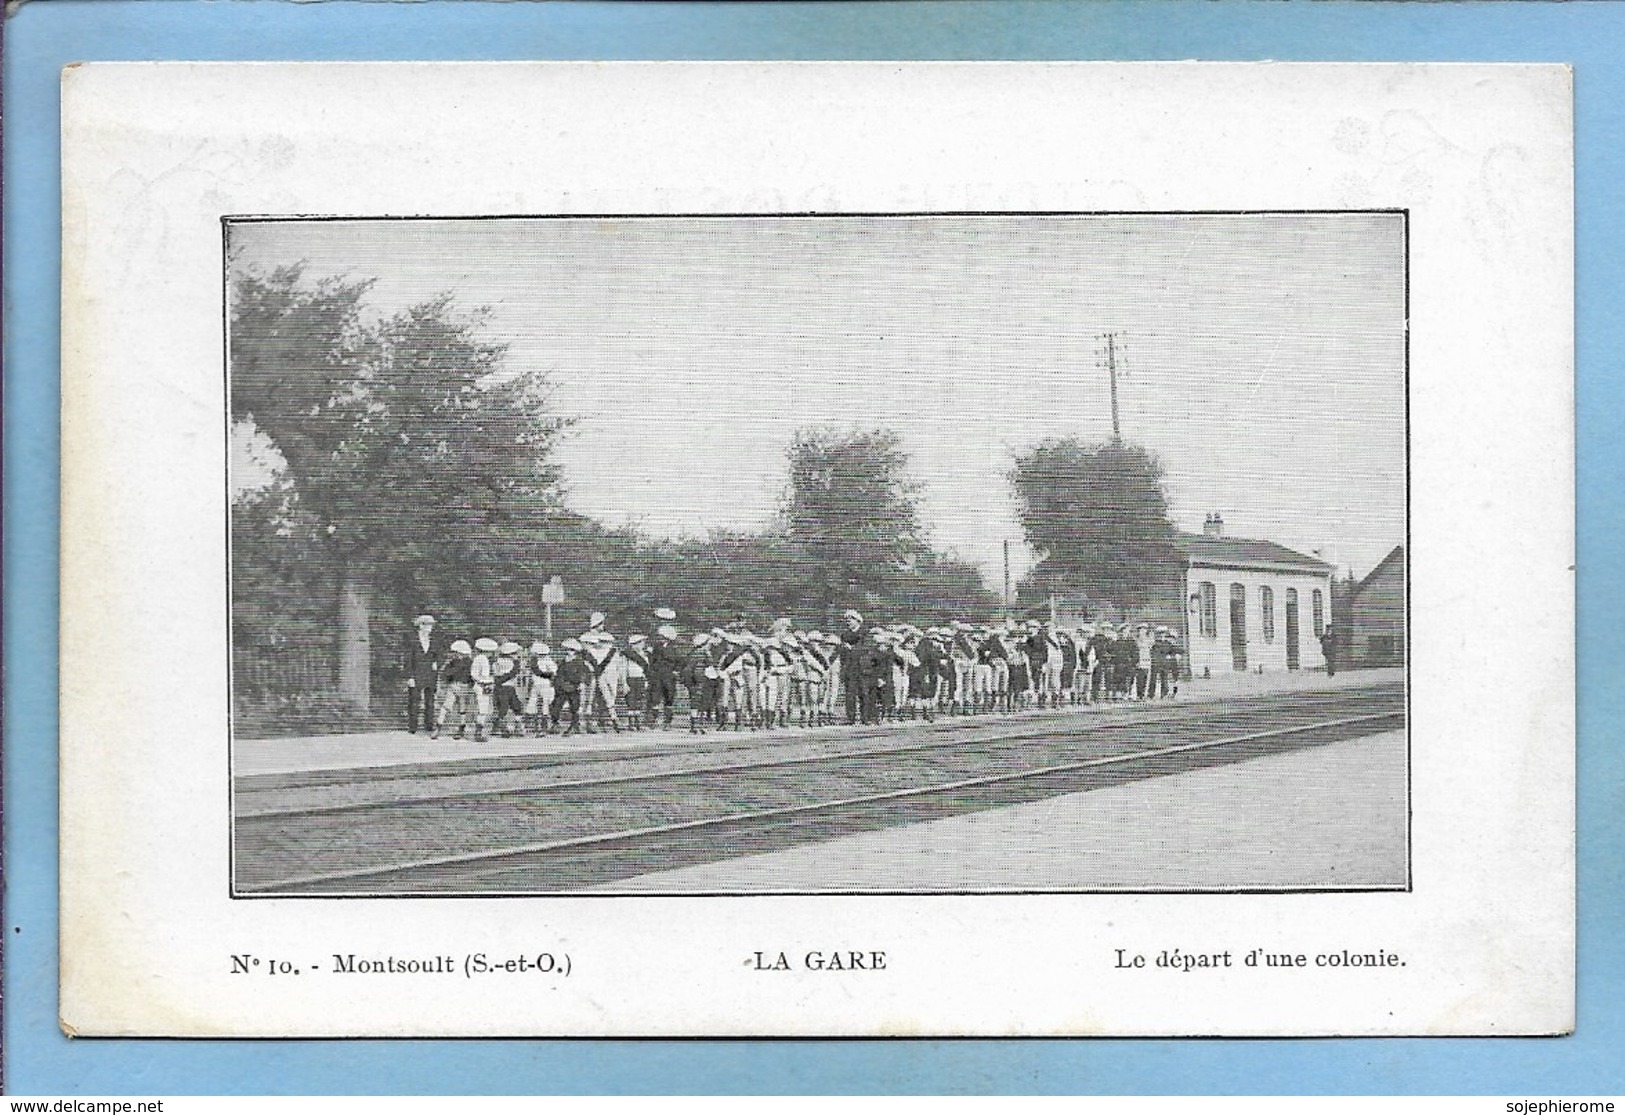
(456,687)
(484,685)
(539,694)
(505,677)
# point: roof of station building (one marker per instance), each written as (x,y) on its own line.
(1245,552)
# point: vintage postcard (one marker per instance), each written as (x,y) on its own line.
(817,549)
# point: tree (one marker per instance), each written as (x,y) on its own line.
(417,456)
(1098,517)
(282,596)
(850,515)
(939,588)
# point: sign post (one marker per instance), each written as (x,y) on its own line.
(552,593)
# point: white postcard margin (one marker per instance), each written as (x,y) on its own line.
(155,154)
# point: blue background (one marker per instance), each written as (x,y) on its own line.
(47,34)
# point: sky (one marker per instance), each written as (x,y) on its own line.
(1260,356)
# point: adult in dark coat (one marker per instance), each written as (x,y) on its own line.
(854,637)
(421,659)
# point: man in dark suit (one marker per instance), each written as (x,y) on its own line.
(421,664)
(853,640)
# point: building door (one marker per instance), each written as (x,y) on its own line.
(1238,626)
(1292,629)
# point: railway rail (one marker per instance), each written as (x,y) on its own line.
(562,823)
(264,794)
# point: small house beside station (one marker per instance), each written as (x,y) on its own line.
(1373,632)
(1252,604)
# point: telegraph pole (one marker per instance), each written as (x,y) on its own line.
(1007,580)
(1111,370)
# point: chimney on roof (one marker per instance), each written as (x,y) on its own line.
(1213,526)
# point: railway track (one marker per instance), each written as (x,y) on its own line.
(567,822)
(434,780)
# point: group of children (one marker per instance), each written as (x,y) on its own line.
(735,678)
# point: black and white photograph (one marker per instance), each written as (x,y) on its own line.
(882,553)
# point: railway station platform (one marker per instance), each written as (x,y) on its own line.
(1334,813)
(363,750)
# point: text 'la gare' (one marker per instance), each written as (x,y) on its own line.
(850,960)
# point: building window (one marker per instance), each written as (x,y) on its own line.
(1318,609)
(1210,609)
(1266,608)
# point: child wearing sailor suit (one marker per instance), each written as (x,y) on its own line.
(479,671)
(509,709)
(665,662)
(539,697)
(637,680)
(456,689)
(573,676)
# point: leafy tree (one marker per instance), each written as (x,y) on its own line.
(418,457)
(282,596)
(938,589)
(851,515)
(1098,517)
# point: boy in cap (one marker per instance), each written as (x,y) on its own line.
(1105,648)
(918,677)
(480,673)
(799,682)
(665,662)
(539,696)
(1088,661)
(826,652)
(1067,681)
(456,688)
(1019,686)
(1164,665)
(637,683)
(606,666)
(1128,657)
(421,664)
(874,675)
(509,709)
(962,651)
(999,651)
(933,652)
(717,648)
(699,675)
(1143,643)
(737,703)
(572,677)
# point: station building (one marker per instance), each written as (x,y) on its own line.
(1251,604)
(1373,630)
